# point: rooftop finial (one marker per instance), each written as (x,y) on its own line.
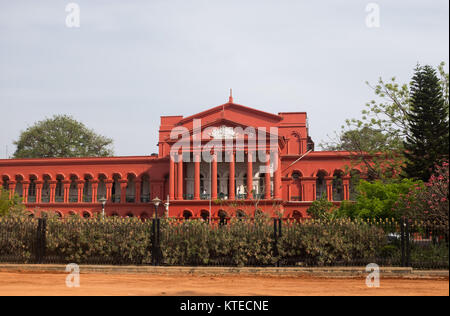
(230,100)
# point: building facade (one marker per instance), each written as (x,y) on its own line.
(230,160)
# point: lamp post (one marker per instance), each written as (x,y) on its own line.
(156,201)
(103,201)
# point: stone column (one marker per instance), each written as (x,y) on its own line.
(214,177)
(277,178)
(123,190)
(66,184)
(25,186)
(171,178)
(94,188)
(329,188)
(80,187)
(52,190)
(137,184)
(180,177)
(232,193)
(12,188)
(109,185)
(197,157)
(249,175)
(346,187)
(39,185)
(268,192)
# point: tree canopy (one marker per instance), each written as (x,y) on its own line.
(61,137)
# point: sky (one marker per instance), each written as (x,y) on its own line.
(130,62)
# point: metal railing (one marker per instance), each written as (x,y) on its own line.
(223,242)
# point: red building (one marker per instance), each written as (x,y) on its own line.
(287,174)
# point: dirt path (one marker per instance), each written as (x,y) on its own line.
(182,285)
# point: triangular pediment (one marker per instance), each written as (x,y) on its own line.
(236,112)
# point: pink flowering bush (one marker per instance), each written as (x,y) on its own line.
(429,202)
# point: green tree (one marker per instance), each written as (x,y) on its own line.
(61,137)
(428,135)
(7,205)
(377,200)
(321,209)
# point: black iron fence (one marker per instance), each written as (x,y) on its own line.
(235,242)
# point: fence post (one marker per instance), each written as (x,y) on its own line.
(40,240)
(408,243)
(156,253)
(403,241)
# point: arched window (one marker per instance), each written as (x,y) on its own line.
(187,214)
(145,189)
(204,215)
(223,217)
(32,190)
(355,177)
(87,189)
(73,190)
(241,214)
(321,185)
(59,190)
(86,214)
(297,215)
(131,189)
(338,187)
(5,183)
(19,186)
(296,187)
(45,194)
(101,189)
(116,191)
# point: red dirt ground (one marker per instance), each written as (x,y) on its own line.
(48,284)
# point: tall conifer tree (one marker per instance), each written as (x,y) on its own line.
(427,138)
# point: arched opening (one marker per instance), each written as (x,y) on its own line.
(297,215)
(296,188)
(259,213)
(204,214)
(101,189)
(241,214)
(116,191)
(130,215)
(131,189)
(338,186)
(73,214)
(19,186)
(45,192)
(145,189)
(30,214)
(5,183)
(144,216)
(223,217)
(114,214)
(86,214)
(32,190)
(321,185)
(59,190)
(87,189)
(187,214)
(355,177)
(58,214)
(73,190)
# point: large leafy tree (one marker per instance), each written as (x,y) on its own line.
(428,136)
(59,137)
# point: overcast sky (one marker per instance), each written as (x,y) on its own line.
(133,61)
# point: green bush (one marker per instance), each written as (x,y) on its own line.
(376,200)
